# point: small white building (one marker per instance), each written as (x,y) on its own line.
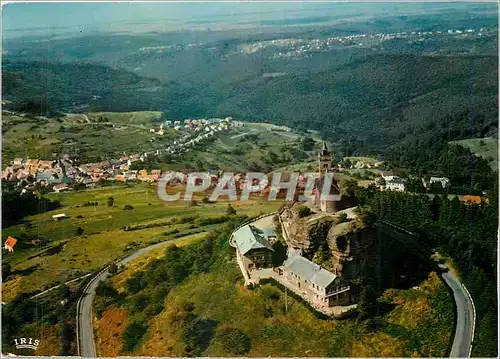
(396,184)
(445,182)
(59,217)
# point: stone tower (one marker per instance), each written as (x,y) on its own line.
(324,160)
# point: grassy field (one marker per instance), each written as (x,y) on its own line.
(70,255)
(369,160)
(106,136)
(252,147)
(419,322)
(482,147)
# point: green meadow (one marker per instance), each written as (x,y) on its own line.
(70,254)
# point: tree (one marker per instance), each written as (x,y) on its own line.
(198,333)
(111,201)
(79,231)
(342,217)
(105,289)
(308,143)
(233,340)
(79,186)
(230,210)
(113,268)
(367,303)
(132,335)
(304,211)
(6,270)
(128,207)
(64,291)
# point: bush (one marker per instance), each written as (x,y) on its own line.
(136,283)
(230,210)
(304,211)
(111,201)
(342,217)
(79,231)
(127,207)
(198,333)
(132,335)
(234,341)
(113,268)
(106,289)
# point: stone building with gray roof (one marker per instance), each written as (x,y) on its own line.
(313,282)
(253,247)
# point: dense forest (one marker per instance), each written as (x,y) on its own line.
(383,104)
(467,233)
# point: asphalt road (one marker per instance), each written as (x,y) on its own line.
(464,330)
(84,316)
(462,341)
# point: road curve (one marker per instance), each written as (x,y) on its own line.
(464,331)
(85,331)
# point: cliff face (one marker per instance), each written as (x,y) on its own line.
(352,249)
(348,243)
(338,247)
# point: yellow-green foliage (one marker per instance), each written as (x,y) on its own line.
(103,238)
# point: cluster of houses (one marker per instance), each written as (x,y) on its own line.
(359,165)
(194,131)
(203,124)
(395,183)
(62,174)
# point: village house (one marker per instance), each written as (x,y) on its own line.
(472,199)
(10,243)
(17,162)
(60,187)
(445,182)
(396,184)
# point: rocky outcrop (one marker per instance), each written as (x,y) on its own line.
(348,244)
(306,233)
(335,246)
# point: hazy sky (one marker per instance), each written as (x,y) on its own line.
(60,18)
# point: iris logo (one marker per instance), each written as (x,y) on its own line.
(27,343)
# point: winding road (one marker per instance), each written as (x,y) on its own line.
(84,327)
(464,331)
(462,342)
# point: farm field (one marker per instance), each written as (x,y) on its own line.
(253,147)
(93,137)
(69,254)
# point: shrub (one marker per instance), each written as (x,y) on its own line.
(106,289)
(113,268)
(132,335)
(233,340)
(341,218)
(304,211)
(127,207)
(79,231)
(136,283)
(198,333)
(111,201)
(230,210)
